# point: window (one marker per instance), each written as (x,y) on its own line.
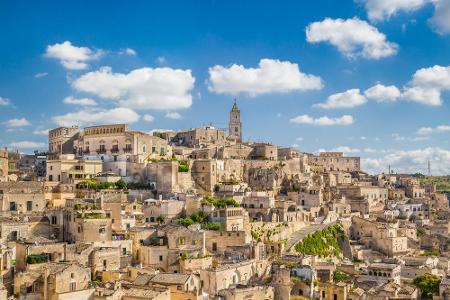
(102,230)
(160,258)
(73,286)
(72,275)
(29,205)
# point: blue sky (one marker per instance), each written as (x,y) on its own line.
(179,64)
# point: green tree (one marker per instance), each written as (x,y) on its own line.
(161,219)
(428,284)
(120,184)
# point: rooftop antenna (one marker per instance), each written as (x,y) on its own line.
(389,169)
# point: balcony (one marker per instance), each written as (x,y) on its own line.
(114,150)
(127,150)
(101,151)
(86,151)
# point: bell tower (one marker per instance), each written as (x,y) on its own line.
(235,125)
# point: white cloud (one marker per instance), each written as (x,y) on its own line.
(72,57)
(4,101)
(148,118)
(161,60)
(400,138)
(352,37)
(441,18)
(27,145)
(131,52)
(173,115)
(17,122)
(378,10)
(370,150)
(299,139)
(41,131)
(94,116)
(83,101)
(344,149)
(39,75)
(382,93)
(430,130)
(270,76)
(145,88)
(347,99)
(323,121)
(423,96)
(411,161)
(427,84)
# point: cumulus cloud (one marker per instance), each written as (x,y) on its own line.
(323,121)
(427,85)
(82,101)
(410,161)
(382,93)
(378,10)
(94,116)
(41,131)
(145,88)
(17,122)
(430,130)
(348,99)
(352,37)
(148,118)
(27,145)
(441,18)
(4,101)
(72,57)
(173,115)
(270,76)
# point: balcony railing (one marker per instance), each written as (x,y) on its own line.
(114,150)
(127,150)
(101,151)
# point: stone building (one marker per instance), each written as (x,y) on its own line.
(334,161)
(22,197)
(88,226)
(264,151)
(385,237)
(200,137)
(68,169)
(235,125)
(54,281)
(61,140)
(3,164)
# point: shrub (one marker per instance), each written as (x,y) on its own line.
(183,166)
(339,276)
(120,184)
(37,258)
(428,284)
(323,243)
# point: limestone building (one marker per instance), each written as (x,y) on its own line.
(334,161)
(61,140)
(3,164)
(235,125)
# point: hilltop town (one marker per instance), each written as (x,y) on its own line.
(113,213)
